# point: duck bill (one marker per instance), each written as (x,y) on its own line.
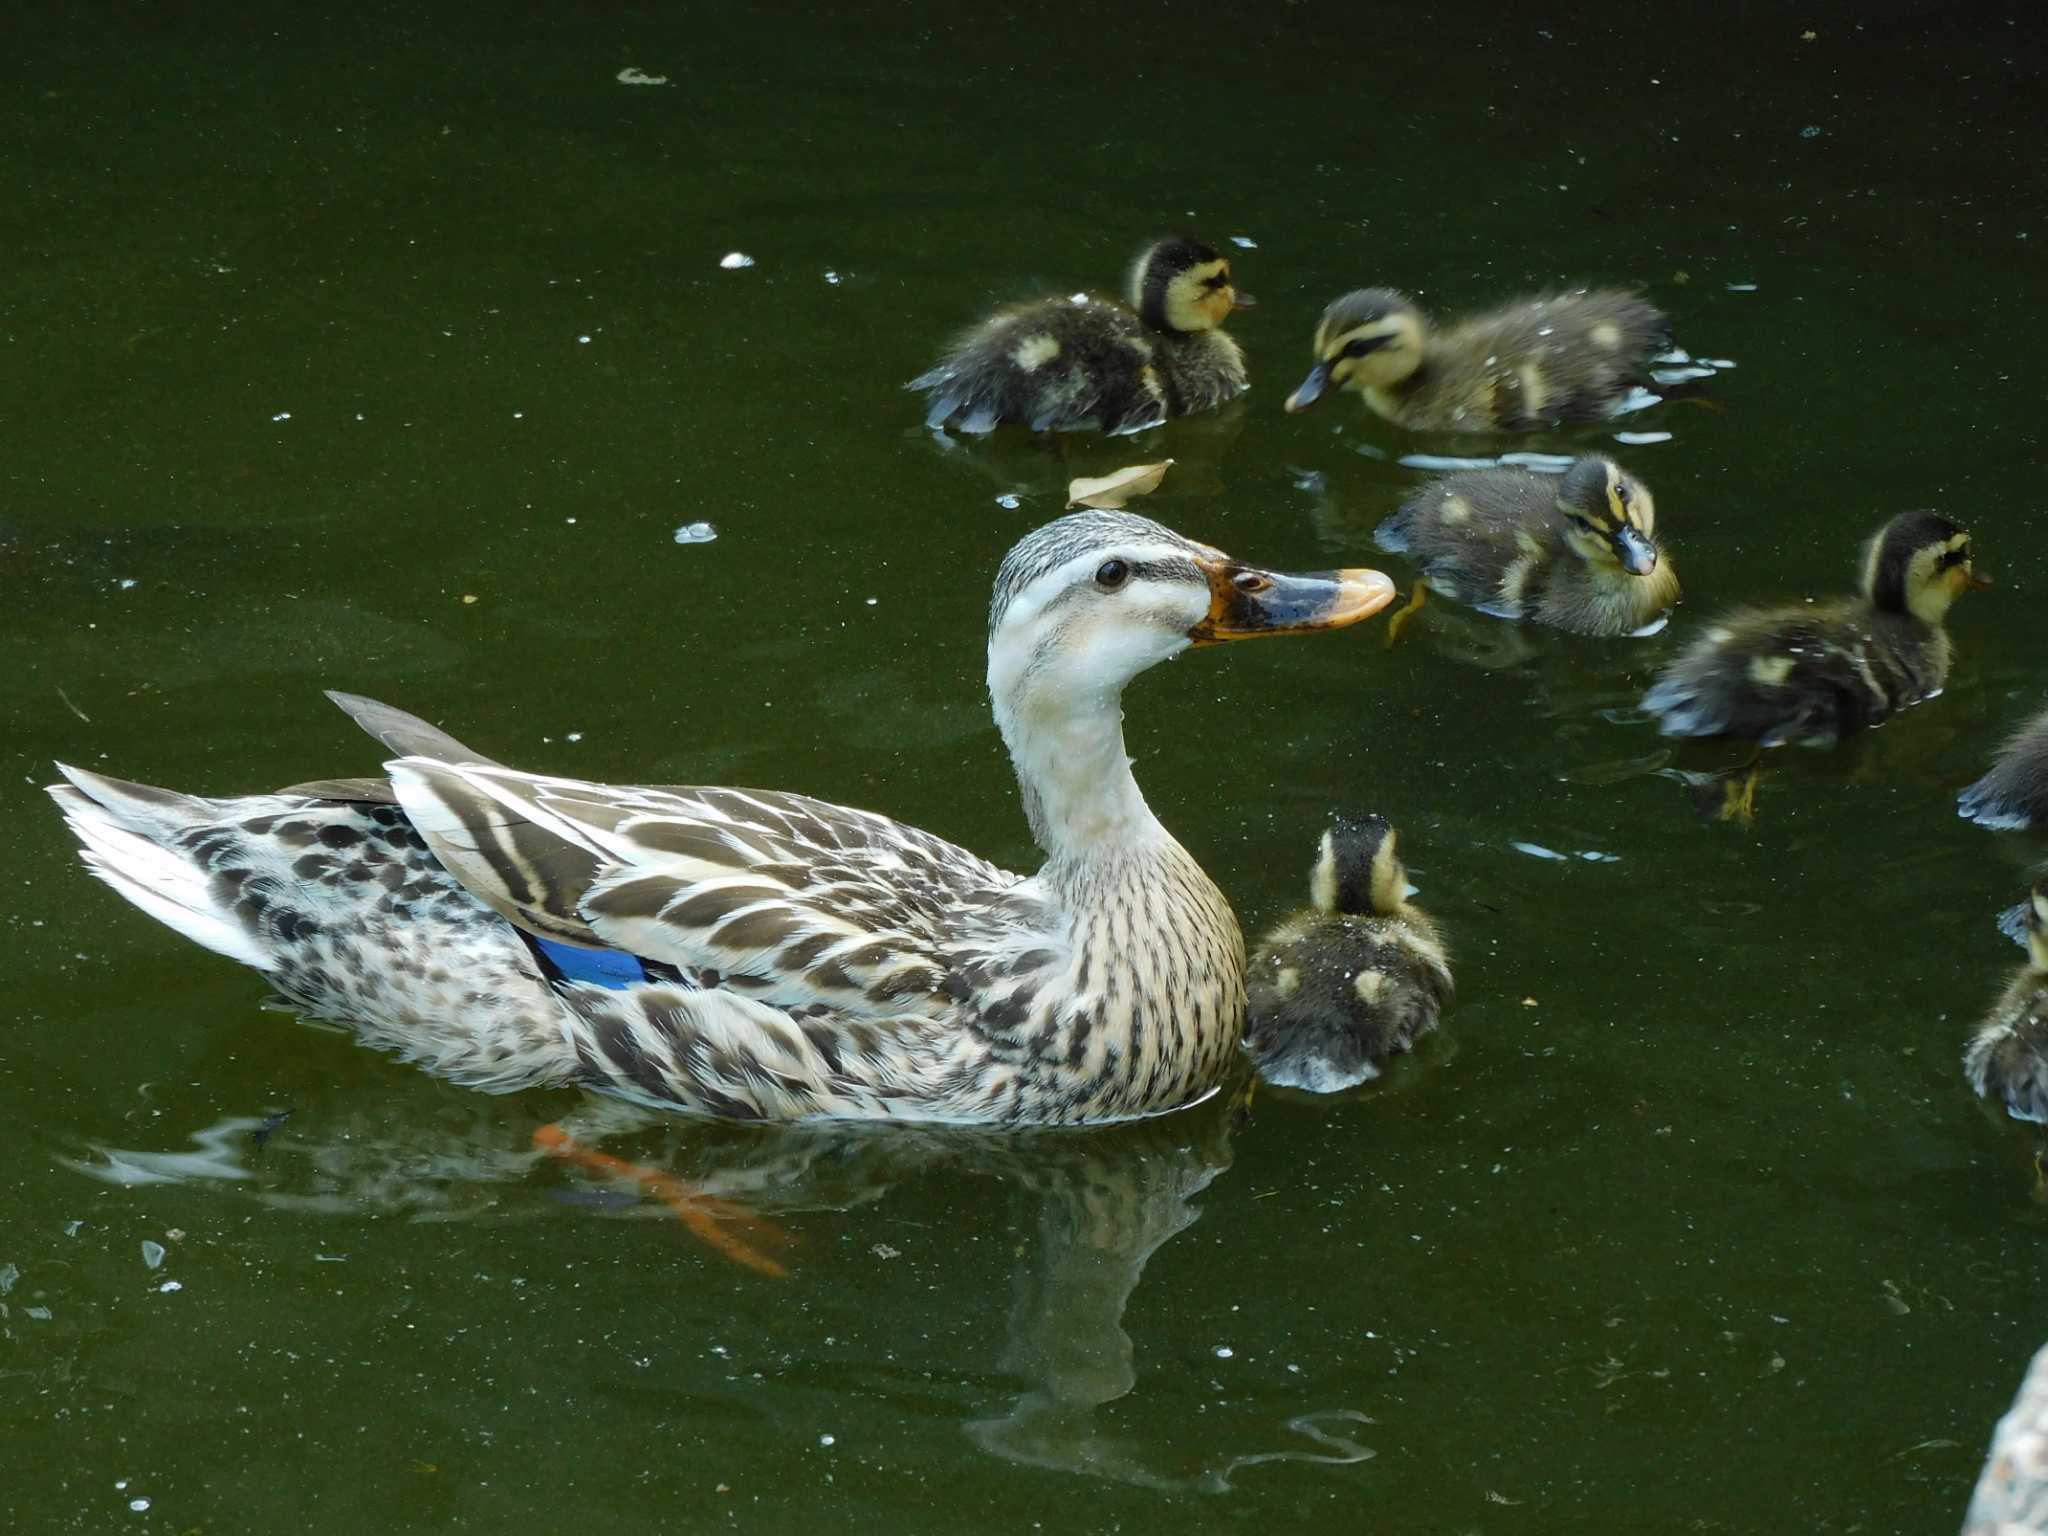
(1637,554)
(1246,603)
(1979,582)
(1311,389)
(1239,299)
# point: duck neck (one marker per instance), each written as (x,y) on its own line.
(1076,776)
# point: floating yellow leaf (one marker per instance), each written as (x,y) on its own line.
(1119,486)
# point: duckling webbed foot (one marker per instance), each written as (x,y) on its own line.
(1725,794)
(1398,620)
(1738,792)
(723,1225)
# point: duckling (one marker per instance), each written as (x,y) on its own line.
(2008,1059)
(1537,362)
(1065,364)
(1578,553)
(2014,794)
(1340,986)
(1812,674)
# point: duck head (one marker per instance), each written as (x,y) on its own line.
(1609,517)
(1085,604)
(1371,339)
(1184,285)
(1358,869)
(1919,563)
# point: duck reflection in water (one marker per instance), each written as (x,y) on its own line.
(1100,1203)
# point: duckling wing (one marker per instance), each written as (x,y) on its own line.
(2007,1059)
(1785,676)
(1480,536)
(2014,793)
(1563,357)
(790,900)
(1056,365)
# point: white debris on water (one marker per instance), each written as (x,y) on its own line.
(1010,500)
(152,1254)
(1641,439)
(735,261)
(631,76)
(1244,242)
(1740,287)
(696,533)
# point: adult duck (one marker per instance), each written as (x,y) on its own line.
(757,954)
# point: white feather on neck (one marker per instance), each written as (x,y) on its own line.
(1056,678)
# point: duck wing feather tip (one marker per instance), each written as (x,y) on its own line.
(407,735)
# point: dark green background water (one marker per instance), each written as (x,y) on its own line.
(317,321)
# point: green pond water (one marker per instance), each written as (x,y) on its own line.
(319,323)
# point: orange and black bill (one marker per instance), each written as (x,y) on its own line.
(1245,602)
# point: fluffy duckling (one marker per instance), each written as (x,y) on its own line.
(1337,988)
(1812,674)
(2008,1059)
(1577,553)
(2014,794)
(1537,362)
(1063,364)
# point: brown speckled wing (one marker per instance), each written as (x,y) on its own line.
(787,899)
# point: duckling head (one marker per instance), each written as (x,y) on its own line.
(1609,517)
(1371,339)
(1357,870)
(1086,603)
(1919,563)
(1183,285)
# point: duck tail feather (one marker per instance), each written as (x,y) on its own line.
(122,830)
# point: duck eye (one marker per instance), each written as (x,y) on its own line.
(1250,583)
(1356,348)
(1113,574)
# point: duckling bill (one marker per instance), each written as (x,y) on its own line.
(1578,553)
(2007,1060)
(1091,363)
(1353,979)
(1541,361)
(1812,674)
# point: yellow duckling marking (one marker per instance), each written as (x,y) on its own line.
(1770,671)
(1034,352)
(1287,982)
(1455,509)
(1606,334)
(1368,985)
(1535,388)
